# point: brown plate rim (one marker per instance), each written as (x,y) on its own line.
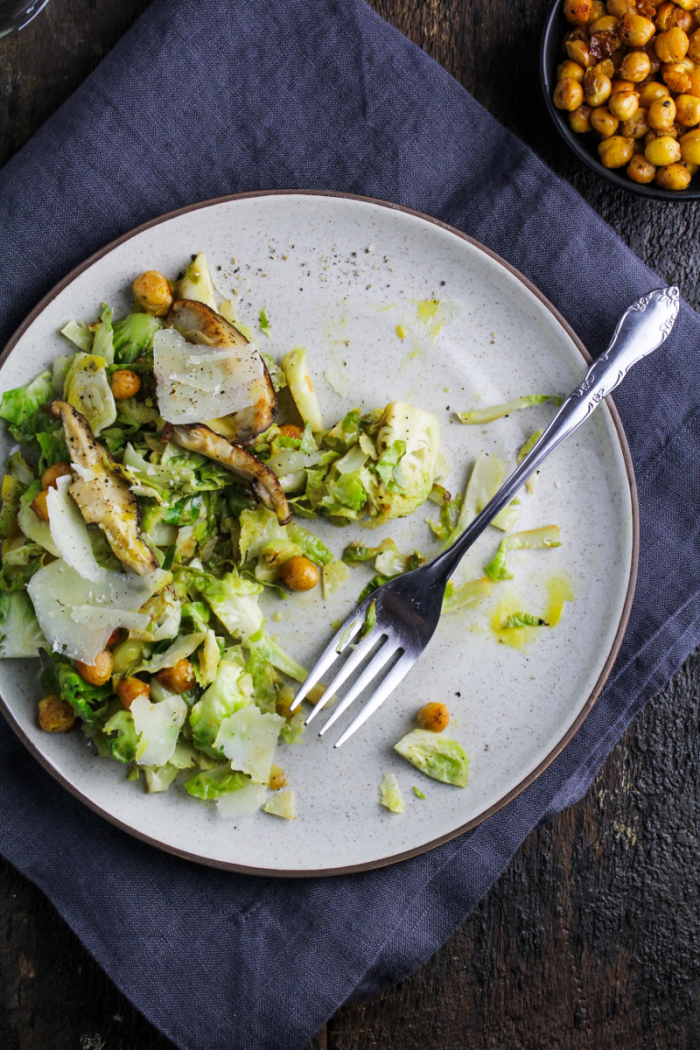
(612,655)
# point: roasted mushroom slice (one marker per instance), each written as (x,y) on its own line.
(104,498)
(199,438)
(199,324)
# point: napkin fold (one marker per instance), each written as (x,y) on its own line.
(199,100)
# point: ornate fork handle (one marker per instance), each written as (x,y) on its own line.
(652,315)
(641,329)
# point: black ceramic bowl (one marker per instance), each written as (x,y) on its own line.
(584,146)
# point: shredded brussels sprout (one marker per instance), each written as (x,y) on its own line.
(487,415)
(533,539)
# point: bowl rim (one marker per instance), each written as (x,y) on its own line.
(246,869)
(579,143)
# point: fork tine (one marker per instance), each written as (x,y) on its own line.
(383,654)
(327,657)
(387,686)
(356,658)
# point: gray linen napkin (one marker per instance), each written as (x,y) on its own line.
(202,99)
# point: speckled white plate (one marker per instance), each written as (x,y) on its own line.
(339,274)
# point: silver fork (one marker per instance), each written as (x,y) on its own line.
(407,608)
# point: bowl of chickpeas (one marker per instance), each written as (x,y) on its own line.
(622,82)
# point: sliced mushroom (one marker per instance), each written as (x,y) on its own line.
(196,437)
(198,323)
(104,498)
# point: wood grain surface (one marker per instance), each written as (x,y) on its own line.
(591,938)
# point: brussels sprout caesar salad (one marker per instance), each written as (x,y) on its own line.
(153,496)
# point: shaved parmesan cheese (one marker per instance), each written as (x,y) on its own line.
(77,616)
(241,803)
(35,529)
(196,382)
(133,621)
(182,647)
(159,727)
(69,531)
(248,739)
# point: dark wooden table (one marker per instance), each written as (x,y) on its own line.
(591,938)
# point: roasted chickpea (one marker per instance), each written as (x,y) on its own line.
(129,688)
(688,5)
(577,49)
(650,92)
(180,677)
(56,715)
(669,15)
(636,127)
(619,8)
(694,88)
(577,11)
(277,778)
(568,69)
(618,84)
(99,672)
(603,25)
(685,21)
(694,46)
(39,505)
(152,293)
(616,151)
(125,384)
(677,78)
(597,11)
(51,475)
(596,88)
(635,66)
(662,151)
(606,67)
(672,45)
(636,30)
(624,104)
(673,177)
(690,147)
(433,716)
(299,574)
(640,170)
(291,430)
(692,168)
(662,113)
(568,94)
(688,110)
(580,120)
(604,122)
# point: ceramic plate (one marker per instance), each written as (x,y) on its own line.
(355,282)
